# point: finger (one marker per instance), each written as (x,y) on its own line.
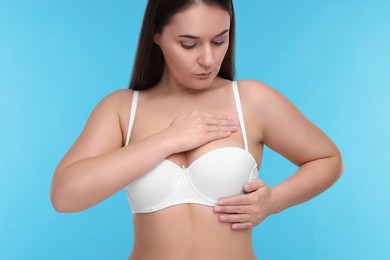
(202,114)
(210,115)
(241,199)
(221,119)
(234,218)
(240,226)
(232,209)
(253,185)
(217,135)
(211,129)
(214,121)
(227,120)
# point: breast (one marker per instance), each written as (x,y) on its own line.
(222,172)
(217,174)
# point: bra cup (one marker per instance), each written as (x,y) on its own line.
(254,173)
(222,172)
(156,186)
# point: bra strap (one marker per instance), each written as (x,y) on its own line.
(240,114)
(132,115)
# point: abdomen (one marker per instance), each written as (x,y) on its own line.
(188,231)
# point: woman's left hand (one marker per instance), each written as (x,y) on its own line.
(249,209)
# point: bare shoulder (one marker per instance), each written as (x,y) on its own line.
(285,129)
(263,100)
(102,132)
(259,93)
(268,103)
(120,100)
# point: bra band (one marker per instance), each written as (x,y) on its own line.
(132,115)
(239,112)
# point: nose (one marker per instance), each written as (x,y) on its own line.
(206,57)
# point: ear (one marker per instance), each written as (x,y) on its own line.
(156,38)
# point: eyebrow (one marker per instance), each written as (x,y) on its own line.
(197,37)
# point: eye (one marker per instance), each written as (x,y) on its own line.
(188,46)
(218,43)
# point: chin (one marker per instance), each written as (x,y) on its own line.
(202,83)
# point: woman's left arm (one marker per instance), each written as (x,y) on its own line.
(286,131)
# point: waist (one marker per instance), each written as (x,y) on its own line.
(188,231)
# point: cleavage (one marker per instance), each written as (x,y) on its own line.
(187,158)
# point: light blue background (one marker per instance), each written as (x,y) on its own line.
(331,58)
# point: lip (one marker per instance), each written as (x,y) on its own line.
(203,75)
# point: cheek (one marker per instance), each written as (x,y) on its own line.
(221,53)
(177,59)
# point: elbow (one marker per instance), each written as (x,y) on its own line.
(339,165)
(58,207)
(59,204)
(342,168)
(61,200)
(64,194)
(57,194)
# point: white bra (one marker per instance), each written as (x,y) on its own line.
(214,175)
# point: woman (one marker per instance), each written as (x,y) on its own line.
(186,142)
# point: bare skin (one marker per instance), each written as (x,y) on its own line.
(193,228)
(189,112)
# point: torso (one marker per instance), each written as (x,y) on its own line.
(190,231)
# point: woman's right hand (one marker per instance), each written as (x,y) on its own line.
(197,128)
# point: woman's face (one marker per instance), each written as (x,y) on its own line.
(194,45)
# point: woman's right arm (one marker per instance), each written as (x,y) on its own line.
(97,166)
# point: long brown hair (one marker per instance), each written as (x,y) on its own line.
(149,60)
